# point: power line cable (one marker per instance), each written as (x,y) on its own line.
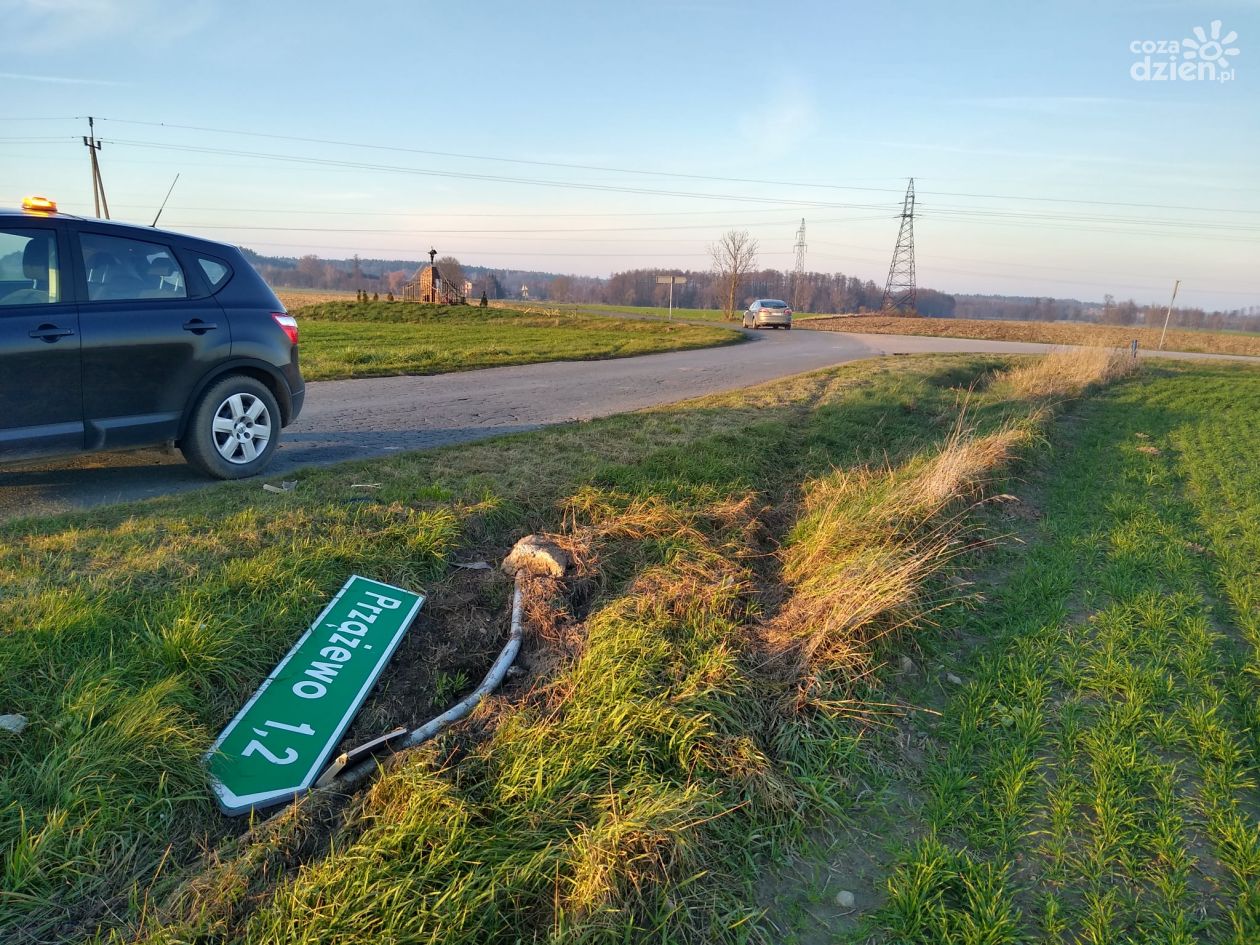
(458,175)
(674,174)
(570,184)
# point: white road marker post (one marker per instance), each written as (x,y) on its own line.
(1168,314)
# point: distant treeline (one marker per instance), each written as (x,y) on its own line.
(1108,312)
(818,292)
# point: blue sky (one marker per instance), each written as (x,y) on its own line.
(1042,165)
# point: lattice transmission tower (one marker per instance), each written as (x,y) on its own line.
(899,290)
(798,273)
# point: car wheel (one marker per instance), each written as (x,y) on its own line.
(234,429)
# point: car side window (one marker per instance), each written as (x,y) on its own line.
(29,273)
(120,269)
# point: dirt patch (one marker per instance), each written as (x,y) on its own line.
(804,898)
(444,655)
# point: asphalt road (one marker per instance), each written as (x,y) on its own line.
(358,419)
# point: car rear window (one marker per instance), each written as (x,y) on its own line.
(216,272)
(773,303)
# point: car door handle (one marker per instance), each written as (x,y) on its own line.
(51,333)
(197,326)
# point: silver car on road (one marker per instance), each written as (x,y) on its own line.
(771,313)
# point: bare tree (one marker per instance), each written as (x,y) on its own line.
(734,256)
(560,289)
(452,273)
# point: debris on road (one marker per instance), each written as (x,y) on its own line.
(15,724)
(368,749)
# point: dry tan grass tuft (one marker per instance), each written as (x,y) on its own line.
(1069,372)
(867,541)
(834,613)
(963,467)
(858,566)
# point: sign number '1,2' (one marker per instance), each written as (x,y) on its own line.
(291,754)
(281,740)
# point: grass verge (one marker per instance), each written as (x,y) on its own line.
(652,757)
(374,339)
(1092,777)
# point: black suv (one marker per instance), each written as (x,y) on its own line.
(115,336)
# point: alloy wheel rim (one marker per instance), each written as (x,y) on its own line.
(241,428)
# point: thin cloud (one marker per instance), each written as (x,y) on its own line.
(46,25)
(57,79)
(1072,158)
(1048,104)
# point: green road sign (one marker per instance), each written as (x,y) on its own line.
(277,745)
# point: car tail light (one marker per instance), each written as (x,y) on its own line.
(288,323)
(787,312)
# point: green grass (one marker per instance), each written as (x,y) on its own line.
(134,633)
(350,339)
(632,787)
(695,314)
(1094,780)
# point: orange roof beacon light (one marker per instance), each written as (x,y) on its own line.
(39,204)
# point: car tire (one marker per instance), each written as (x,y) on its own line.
(226,426)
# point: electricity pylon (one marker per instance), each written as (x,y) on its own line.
(798,273)
(899,290)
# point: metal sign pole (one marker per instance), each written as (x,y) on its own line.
(671,281)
